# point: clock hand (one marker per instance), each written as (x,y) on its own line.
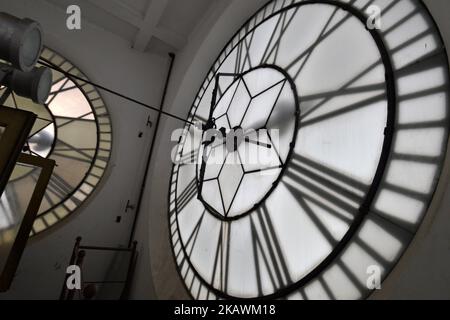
(237,133)
(211,124)
(205,157)
(208,125)
(202,172)
(213,98)
(258,143)
(261,144)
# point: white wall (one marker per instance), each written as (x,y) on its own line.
(424,271)
(108,60)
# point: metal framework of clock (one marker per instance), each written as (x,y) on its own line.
(360,169)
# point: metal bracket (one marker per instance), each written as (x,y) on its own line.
(149,122)
(129,206)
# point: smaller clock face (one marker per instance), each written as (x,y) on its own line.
(243,166)
(73,129)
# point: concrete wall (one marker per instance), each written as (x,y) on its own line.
(109,60)
(423,272)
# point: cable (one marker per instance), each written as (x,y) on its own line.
(48,64)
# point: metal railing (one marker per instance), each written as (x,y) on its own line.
(85,292)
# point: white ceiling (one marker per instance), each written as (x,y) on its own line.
(149,25)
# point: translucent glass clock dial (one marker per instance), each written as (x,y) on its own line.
(360,159)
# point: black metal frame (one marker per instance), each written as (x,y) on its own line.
(16,106)
(284,166)
(364,209)
(26,225)
(18,124)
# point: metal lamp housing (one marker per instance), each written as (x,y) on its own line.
(35,84)
(21,41)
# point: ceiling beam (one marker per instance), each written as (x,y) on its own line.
(146,23)
(148,27)
(173,39)
(120,10)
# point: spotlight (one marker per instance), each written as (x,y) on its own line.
(21,46)
(35,84)
(20,41)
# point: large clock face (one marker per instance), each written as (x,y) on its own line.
(349,125)
(73,128)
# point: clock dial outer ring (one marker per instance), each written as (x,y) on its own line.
(370,196)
